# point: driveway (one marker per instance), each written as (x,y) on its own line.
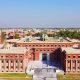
(44,74)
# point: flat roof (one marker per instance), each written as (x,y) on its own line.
(13,50)
(71,50)
(37,40)
(29,39)
(12,40)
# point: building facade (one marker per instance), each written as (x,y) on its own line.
(16,59)
(72,60)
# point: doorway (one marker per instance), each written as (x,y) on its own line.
(44,57)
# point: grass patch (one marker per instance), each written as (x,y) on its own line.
(17,79)
(69,77)
(14,75)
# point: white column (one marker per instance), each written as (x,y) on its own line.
(14,65)
(71,66)
(4,65)
(76,65)
(9,65)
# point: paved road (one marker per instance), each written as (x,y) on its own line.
(44,74)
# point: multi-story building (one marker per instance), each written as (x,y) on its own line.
(71,59)
(13,59)
(51,50)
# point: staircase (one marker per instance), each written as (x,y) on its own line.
(32,65)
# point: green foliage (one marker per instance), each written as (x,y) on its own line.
(16,36)
(71,34)
(38,34)
(69,77)
(51,35)
(62,33)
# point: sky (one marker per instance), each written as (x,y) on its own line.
(40,13)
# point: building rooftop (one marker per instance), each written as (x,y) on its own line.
(14,50)
(71,50)
(12,40)
(38,39)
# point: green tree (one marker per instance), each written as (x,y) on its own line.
(16,36)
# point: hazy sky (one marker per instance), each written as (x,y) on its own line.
(39,13)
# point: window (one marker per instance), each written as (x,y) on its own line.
(6,56)
(74,56)
(21,61)
(7,66)
(2,61)
(79,56)
(20,56)
(16,56)
(47,45)
(1,56)
(68,61)
(68,56)
(11,56)
(40,50)
(78,67)
(36,49)
(6,61)
(78,61)
(11,66)
(59,45)
(11,61)
(40,45)
(55,45)
(74,67)
(36,45)
(16,61)
(29,45)
(2,66)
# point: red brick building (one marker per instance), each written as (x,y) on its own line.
(13,60)
(50,50)
(71,60)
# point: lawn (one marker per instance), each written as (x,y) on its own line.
(17,79)
(14,75)
(69,77)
